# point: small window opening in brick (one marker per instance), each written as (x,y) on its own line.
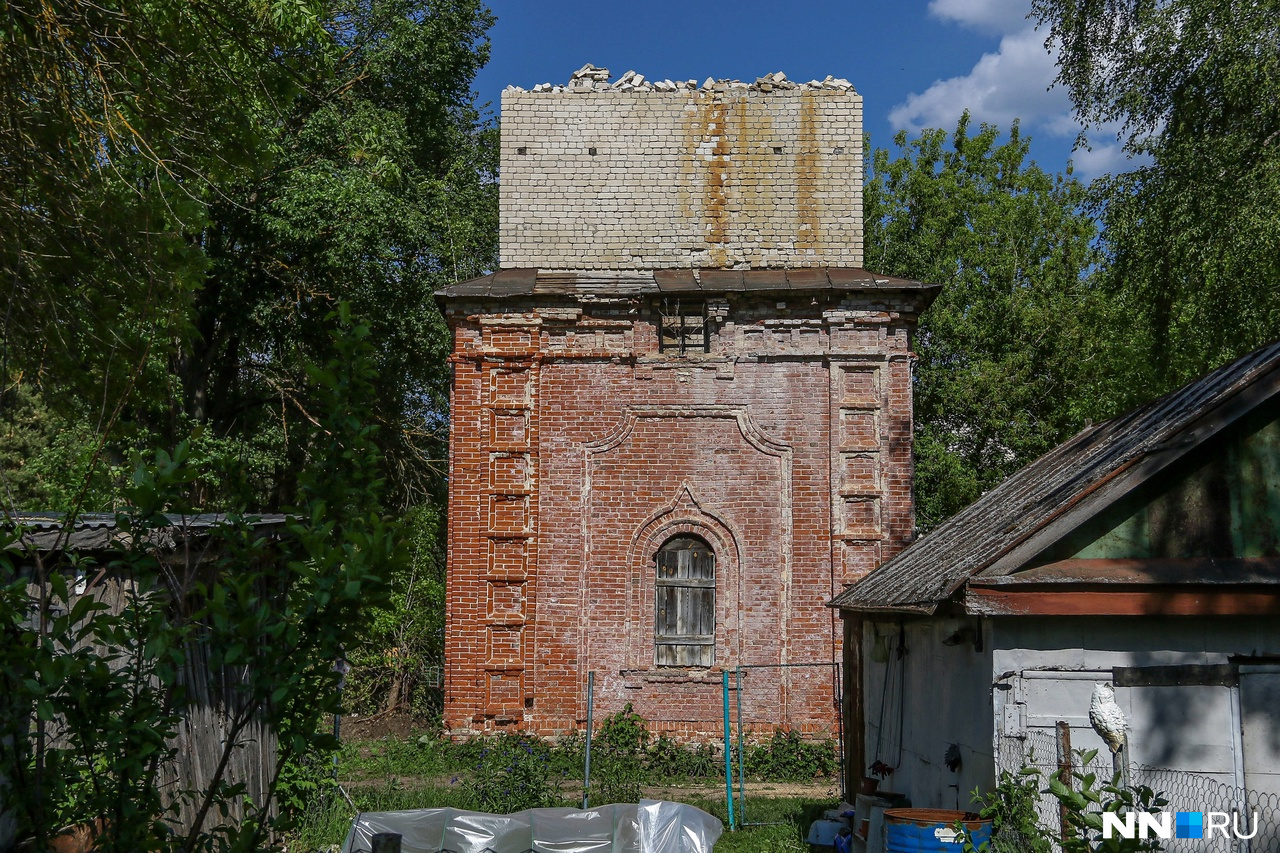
(591,151)
(777,149)
(683,326)
(522,150)
(685,603)
(839,149)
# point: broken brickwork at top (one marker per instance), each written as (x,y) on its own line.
(656,175)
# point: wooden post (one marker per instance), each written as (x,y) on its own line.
(855,757)
(1065,770)
(385,842)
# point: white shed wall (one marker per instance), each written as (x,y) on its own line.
(946,699)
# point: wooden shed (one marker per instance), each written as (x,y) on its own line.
(1144,555)
(214,726)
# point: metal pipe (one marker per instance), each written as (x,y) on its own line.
(838,684)
(728,752)
(742,795)
(586,759)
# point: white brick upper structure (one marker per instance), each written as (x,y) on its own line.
(767,175)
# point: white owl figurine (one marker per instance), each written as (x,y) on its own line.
(1106,717)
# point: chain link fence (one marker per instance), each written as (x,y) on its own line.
(1186,792)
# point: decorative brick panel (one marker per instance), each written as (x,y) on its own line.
(792,464)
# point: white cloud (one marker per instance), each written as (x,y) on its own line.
(1101,159)
(991,16)
(1013,82)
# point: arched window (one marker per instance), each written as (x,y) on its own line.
(685,606)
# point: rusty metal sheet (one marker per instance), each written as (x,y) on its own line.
(808,278)
(471,287)
(721,281)
(676,281)
(757,280)
(528,281)
(848,278)
(513,282)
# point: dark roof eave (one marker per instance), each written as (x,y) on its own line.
(528,282)
(898,609)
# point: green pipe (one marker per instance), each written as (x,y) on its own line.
(742,795)
(728,751)
(586,762)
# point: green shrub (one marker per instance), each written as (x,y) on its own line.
(624,732)
(567,754)
(1015,828)
(1086,800)
(617,758)
(786,757)
(515,773)
(1011,808)
(668,760)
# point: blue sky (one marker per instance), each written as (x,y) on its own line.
(916,63)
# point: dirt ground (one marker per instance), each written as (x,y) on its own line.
(380,725)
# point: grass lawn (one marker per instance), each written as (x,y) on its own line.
(393,774)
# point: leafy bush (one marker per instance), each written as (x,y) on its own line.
(1087,800)
(617,758)
(1015,828)
(786,757)
(624,732)
(1011,808)
(515,773)
(668,760)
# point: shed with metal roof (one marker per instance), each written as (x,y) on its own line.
(1143,554)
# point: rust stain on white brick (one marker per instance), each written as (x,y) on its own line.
(734,175)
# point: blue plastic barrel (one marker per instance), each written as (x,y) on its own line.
(932,831)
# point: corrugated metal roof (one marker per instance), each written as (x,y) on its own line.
(97,530)
(510,283)
(1059,490)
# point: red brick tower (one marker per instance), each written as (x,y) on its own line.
(681,410)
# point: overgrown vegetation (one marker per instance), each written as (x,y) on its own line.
(241,632)
(1011,807)
(625,759)
(212,204)
(1189,236)
(510,772)
(1012,353)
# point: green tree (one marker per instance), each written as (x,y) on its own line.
(1008,347)
(97,679)
(1191,236)
(381,191)
(352,166)
(117,120)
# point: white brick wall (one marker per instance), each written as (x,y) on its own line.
(733,178)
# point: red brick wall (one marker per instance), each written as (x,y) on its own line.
(577,450)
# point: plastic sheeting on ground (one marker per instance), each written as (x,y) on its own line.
(653,826)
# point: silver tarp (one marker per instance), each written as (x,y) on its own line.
(653,826)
